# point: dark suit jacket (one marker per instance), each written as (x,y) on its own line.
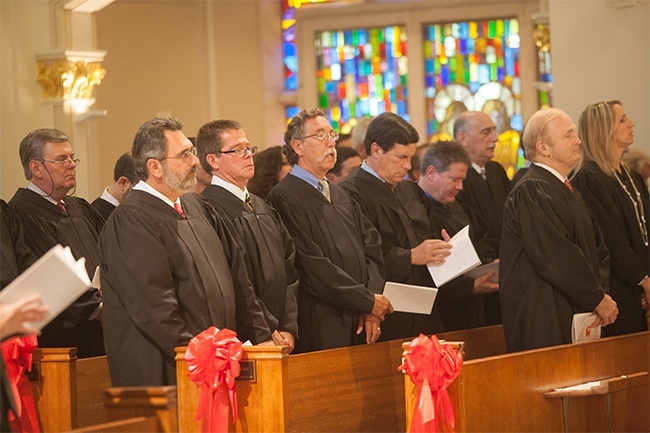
(487,197)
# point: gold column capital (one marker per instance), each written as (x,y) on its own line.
(70,74)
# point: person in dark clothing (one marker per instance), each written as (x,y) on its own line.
(124,180)
(554,262)
(398,210)
(225,152)
(461,303)
(340,301)
(618,200)
(170,267)
(49,217)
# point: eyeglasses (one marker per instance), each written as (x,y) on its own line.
(185,155)
(322,136)
(241,151)
(65,163)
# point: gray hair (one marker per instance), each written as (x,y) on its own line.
(442,154)
(33,145)
(150,142)
(296,129)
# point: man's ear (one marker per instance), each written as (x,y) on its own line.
(212,159)
(296,145)
(36,167)
(431,172)
(331,177)
(155,168)
(123,183)
(375,149)
(541,147)
(460,137)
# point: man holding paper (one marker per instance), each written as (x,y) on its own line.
(49,217)
(461,301)
(554,262)
(338,251)
(399,211)
(170,267)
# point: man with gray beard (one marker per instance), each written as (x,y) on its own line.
(169,266)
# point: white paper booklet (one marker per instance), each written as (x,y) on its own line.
(463,257)
(583,328)
(484,269)
(56,276)
(410,299)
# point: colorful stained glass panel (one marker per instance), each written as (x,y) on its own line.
(361,72)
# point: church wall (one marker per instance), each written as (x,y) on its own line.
(24,31)
(602,52)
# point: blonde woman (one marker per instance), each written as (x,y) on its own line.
(618,199)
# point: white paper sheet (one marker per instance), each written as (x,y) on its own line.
(410,299)
(582,328)
(484,269)
(463,257)
(56,276)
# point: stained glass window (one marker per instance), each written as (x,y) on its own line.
(289,49)
(545,77)
(361,72)
(474,65)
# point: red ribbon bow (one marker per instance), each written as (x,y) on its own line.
(213,363)
(17,353)
(432,367)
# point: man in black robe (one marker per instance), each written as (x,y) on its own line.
(338,250)
(50,217)
(170,268)
(224,151)
(486,186)
(554,262)
(399,211)
(443,169)
(123,181)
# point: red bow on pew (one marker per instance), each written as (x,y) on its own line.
(17,353)
(213,363)
(432,367)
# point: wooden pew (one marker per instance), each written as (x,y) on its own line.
(139,409)
(68,391)
(479,342)
(506,393)
(149,424)
(348,389)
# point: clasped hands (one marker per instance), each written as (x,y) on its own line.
(372,321)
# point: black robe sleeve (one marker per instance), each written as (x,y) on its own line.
(251,323)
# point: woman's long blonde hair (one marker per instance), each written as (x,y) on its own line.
(596,131)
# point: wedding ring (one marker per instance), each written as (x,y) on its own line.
(378,329)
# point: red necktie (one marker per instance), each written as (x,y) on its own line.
(568,184)
(179,209)
(61,206)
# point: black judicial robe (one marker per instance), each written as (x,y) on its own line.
(269,253)
(630,262)
(554,262)
(458,307)
(339,260)
(166,279)
(15,257)
(103,207)
(402,218)
(487,197)
(45,225)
